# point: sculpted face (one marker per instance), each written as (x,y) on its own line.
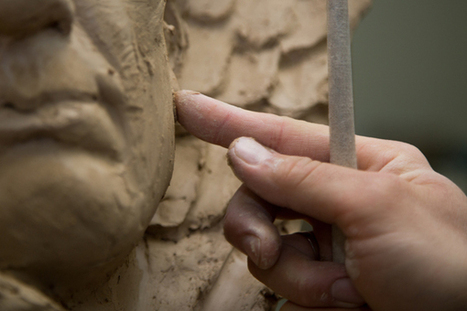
(86,129)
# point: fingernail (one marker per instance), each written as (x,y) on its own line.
(252,247)
(250,151)
(344,291)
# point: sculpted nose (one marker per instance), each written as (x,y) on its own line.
(21,18)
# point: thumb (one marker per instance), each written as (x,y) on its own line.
(329,193)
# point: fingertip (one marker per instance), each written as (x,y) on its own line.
(248,225)
(270,252)
(263,251)
(263,260)
(183,100)
(197,114)
(182,95)
(251,245)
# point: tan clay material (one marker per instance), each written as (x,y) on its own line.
(209,10)
(86,134)
(87,142)
(268,55)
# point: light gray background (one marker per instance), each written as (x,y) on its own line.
(410,78)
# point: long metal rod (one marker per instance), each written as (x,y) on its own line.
(341,112)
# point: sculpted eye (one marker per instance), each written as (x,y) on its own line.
(58,26)
(7,105)
(23,18)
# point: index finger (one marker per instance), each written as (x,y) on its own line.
(219,123)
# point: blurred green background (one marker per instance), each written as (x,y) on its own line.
(410,79)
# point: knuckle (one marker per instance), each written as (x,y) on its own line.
(230,223)
(409,153)
(390,156)
(277,136)
(245,216)
(222,128)
(237,223)
(235,230)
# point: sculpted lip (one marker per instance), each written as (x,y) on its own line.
(86,125)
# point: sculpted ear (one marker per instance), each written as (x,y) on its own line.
(173,81)
(176,41)
(175,88)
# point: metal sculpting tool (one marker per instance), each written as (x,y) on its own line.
(341,112)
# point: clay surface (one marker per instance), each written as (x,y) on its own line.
(86,135)
(262,55)
(280,69)
(87,142)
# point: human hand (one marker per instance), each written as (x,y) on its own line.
(406,225)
